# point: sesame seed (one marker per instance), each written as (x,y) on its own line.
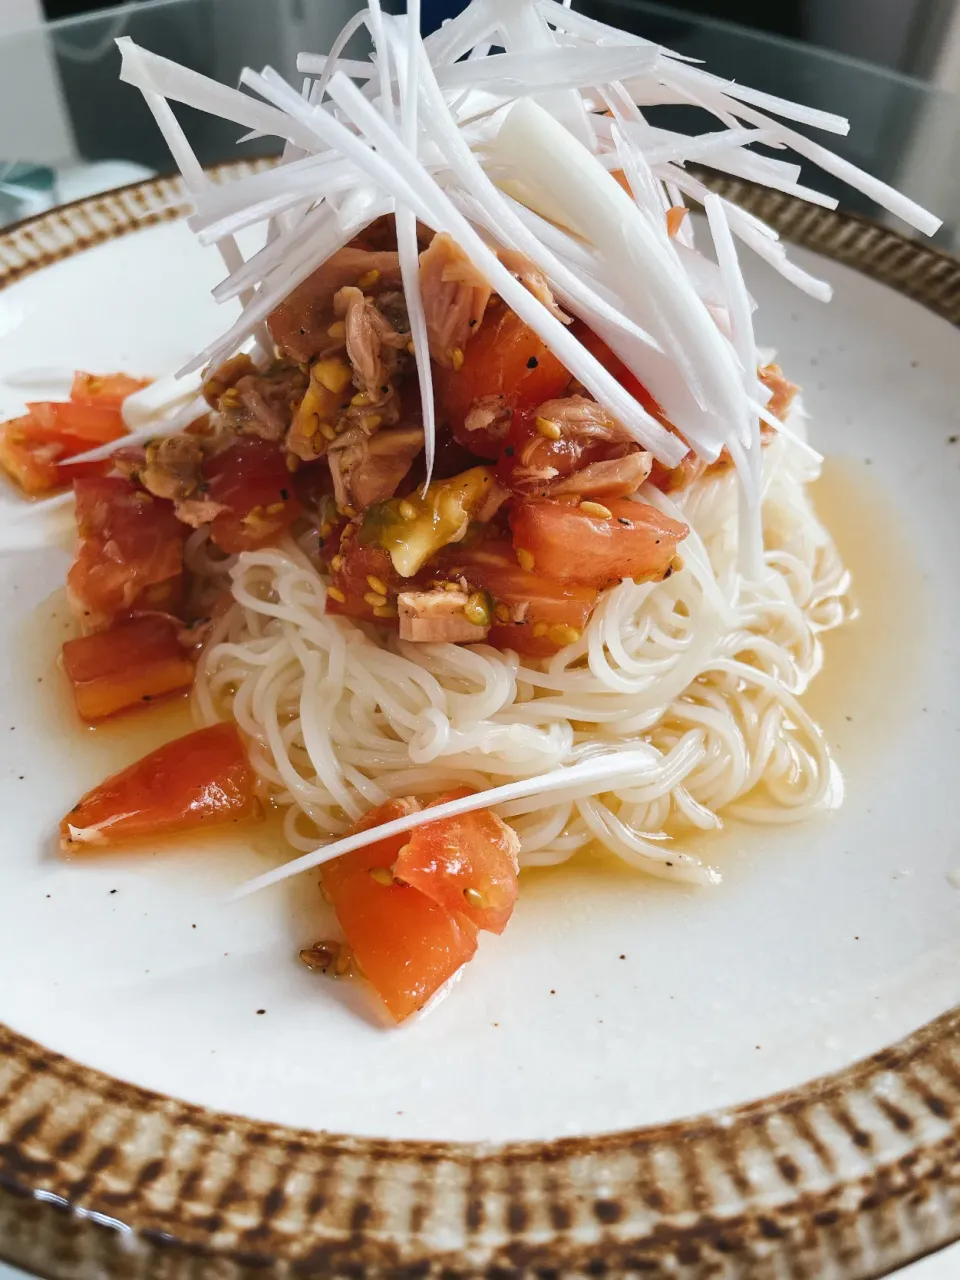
(525,559)
(548,429)
(596,509)
(336,594)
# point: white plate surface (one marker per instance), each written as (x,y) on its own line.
(611,1001)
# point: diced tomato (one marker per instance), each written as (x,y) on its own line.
(663,477)
(675,216)
(530,460)
(105,388)
(467,865)
(351,571)
(130,553)
(35,447)
(782,390)
(615,366)
(91,424)
(251,480)
(572,544)
(406,945)
(553,614)
(202,780)
(505,360)
(30,456)
(129,665)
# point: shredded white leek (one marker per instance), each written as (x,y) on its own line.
(471,141)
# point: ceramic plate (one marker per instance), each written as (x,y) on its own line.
(538,1120)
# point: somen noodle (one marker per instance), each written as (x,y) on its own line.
(341,719)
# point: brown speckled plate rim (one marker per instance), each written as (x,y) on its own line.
(860,1170)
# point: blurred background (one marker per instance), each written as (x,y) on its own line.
(67,127)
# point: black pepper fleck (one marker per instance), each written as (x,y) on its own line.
(284,494)
(259,1011)
(952,439)
(509,451)
(532,362)
(113,891)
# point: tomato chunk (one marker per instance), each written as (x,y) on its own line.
(130,553)
(92,424)
(251,481)
(127,666)
(531,461)
(504,362)
(614,365)
(352,569)
(34,455)
(105,388)
(575,543)
(406,944)
(535,616)
(202,780)
(468,865)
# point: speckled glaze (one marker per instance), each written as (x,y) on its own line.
(845,1178)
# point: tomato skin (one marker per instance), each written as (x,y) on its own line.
(504,358)
(406,945)
(201,780)
(493,567)
(110,389)
(250,479)
(570,545)
(129,665)
(130,553)
(452,859)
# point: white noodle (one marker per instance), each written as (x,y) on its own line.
(341,716)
